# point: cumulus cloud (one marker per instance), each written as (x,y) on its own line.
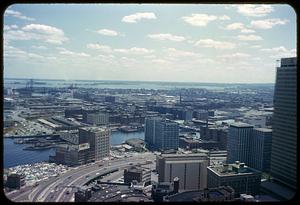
(209,43)
(166,36)
(67,52)
(173,52)
(225,17)
(40,47)
(202,19)
(268,23)
(9,27)
(100,47)
(134,18)
(245,30)
(249,38)
(45,33)
(235,26)
(199,19)
(254,10)
(134,50)
(280,52)
(17,14)
(107,32)
(14,53)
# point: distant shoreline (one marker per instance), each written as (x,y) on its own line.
(146,82)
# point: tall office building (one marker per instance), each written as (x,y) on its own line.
(260,149)
(189,168)
(98,139)
(161,134)
(150,127)
(238,142)
(284,141)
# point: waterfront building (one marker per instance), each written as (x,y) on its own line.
(141,175)
(190,168)
(70,136)
(98,139)
(161,134)
(15,181)
(243,179)
(150,128)
(96,118)
(284,141)
(238,142)
(260,150)
(72,155)
(167,135)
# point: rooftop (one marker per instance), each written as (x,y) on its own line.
(94,129)
(241,125)
(232,169)
(263,129)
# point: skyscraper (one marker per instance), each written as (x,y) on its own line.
(238,142)
(161,134)
(150,127)
(260,150)
(284,141)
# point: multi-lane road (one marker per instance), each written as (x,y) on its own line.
(62,188)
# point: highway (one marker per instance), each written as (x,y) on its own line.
(62,188)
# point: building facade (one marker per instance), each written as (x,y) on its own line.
(141,175)
(161,134)
(238,142)
(260,149)
(98,139)
(189,168)
(284,141)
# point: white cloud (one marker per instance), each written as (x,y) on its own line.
(17,14)
(40,47)
(254,10)
(9,27)
(209,43)
(256,46)
(245,30)
(67,52)
(16,53)
(249,38)
(107,32)
(180,53)
(166,36)
(268,23)
(234,26)
(161,61)
(100,47)
(199,19)
(134,18)
(134,50)
(225,17)
(236,55)
(275,49)
(280,52)
(45,33)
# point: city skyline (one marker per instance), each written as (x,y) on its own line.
(172,43)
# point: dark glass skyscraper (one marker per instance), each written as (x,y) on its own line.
(284,141)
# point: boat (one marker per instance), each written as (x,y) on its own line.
(19,141)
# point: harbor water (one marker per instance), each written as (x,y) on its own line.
(15,155)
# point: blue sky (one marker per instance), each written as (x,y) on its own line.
(185,43)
